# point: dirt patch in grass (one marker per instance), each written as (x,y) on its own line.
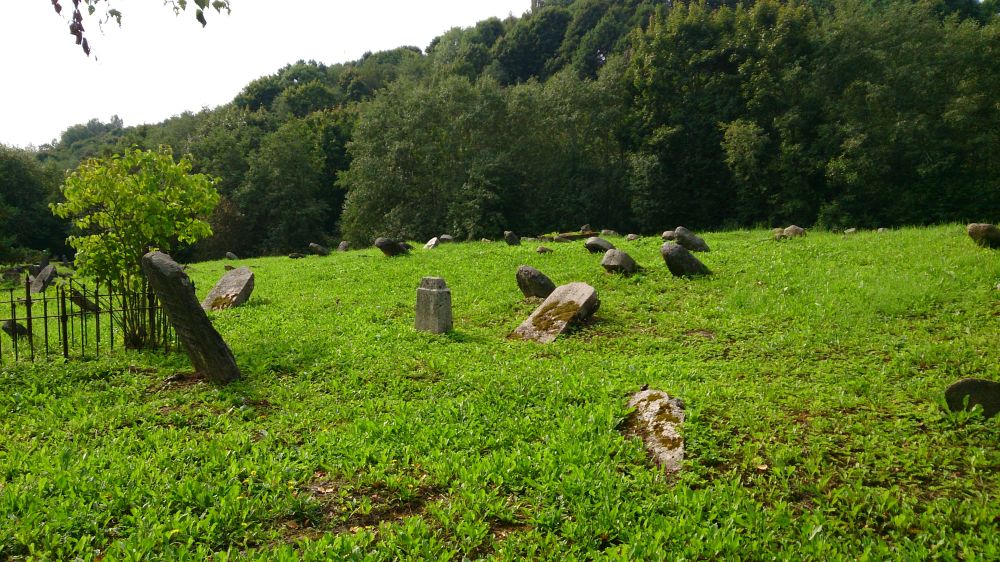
(177,381)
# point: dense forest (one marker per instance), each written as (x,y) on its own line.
(636,115)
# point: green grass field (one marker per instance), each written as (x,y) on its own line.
(812,370)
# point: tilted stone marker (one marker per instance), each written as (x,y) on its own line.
(778,233)
(208,352)
(681,262)
(690,240)
(534,283)
(231,256)
(985,235)
(319,249)
(390,247)
(668,235)
(433,306)
(794,231)
(14,330)
(609,232)
(44,278)
(597,245)
(81,301)
(566,306)
(543,250)
(657,420)
(296,256)
(231,291)
(432,243)
(446,239)
(511,239)
(343,246)
(851,231)
(632,237)
(979,392)
(617,261)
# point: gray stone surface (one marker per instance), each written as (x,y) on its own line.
(543,250)
(344,246)
(446,239)
(44,278)
(208,352)
(567,306)
(657,419)
(984,234)
(432,243)
(979,392)
(511,239)
(632,237)
(609,232)
(14,330)
(617,261)
(433,306)
(231,291)
(596,245)
(778,233)
(82,302)
(560,238)
(882,230)
(296,256)
(689,240)
(534,283)
(231,256)
(850,231)
(668,235)
(319,249)
(681,262)
(390,247)
(793,231)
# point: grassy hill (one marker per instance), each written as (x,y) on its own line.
(812,370)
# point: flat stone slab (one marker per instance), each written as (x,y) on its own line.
(979,392)
(567,306)
(657,420)
(231,291)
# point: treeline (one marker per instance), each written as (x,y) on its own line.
(633,115)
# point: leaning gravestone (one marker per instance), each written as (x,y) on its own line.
(985,235)
(565,307)
(632,237)
(543,250)
(668,235)
(617,261)
(534,283)
(793,231)
(390,247)
(231,256)
(343,246)
(208,352)
(446,239)
(978,391)
(596,245)
(609,232)
(851,231)
(231,291)
(778,233)
(44,278)
(319,249)
(432,243)
(14,330)
(681,262)
(81,301)
(433,306)
(689,240)
(511,239)
(657,420)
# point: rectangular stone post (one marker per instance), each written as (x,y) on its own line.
(433,306)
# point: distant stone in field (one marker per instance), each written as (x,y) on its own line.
(319,249)
(979,392)
(778,233)
(64,261)
(567,306)
(231,291)
(543,250)
(296,256)
(511,239)
(446,239)
(571,236)
(882,230)
(231,256)
(689,240)
(530,240)
(545,238)
(585,228)
(432,243)
(228,267)
(14,330)
(433,306)
(534,283)
(485,240)
(794,231)
(668,235)
(609,232)
(681,262)
(596,245)
(207,350)
(984,234)
(657,419)
(617,261)
(560,238)
(344,246)
(81,301)
(390,247)
(851,231)
(44,278)
(632,237)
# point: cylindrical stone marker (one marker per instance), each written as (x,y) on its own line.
(433,306)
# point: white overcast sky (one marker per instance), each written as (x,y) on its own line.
(157,65)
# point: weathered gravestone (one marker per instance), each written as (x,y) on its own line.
(851,231)
(208,352)
(44,278)
(231,291)
(319,249)
(543,250)
(343,246)
(597,245)
(296,256)
(985,235)
(617,261)
(446,239)
(390,247)
(82,302)
(668,235)
(778,233)
(681,262)
(433,306)
(793,231)
(14,330)
(511,239)
(534,283)
(689,240)
(632,237)
(609,232)
(567,306)
(432,243)
(231,256)
(657,419)
(978,392)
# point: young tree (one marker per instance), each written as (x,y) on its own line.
(128,205)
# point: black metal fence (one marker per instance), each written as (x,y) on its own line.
(72,321)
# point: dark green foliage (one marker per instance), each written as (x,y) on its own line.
(26,188)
